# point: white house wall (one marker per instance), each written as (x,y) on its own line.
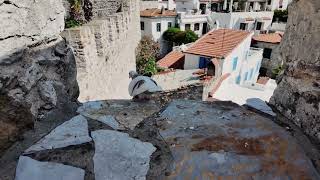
(191,61)
(185,5)
(233,20)
(244,64)
(150,26)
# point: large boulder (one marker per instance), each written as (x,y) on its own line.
(27,22)
(37,67)
(298,93)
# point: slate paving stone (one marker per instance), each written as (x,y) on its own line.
(118,156)
(29,169)
(72,132)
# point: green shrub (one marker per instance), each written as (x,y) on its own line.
(147,53)
(179,37)
(280,15)
(70,23)
(277,71)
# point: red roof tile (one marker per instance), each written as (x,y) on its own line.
(274,38)
(170,59)
(157,13)
(218,43)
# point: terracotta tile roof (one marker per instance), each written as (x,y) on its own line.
(154,12)
(274,38)
(170,59)
(218,43)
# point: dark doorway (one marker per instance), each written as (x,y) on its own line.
(263,72)
(211,69)
(204,28)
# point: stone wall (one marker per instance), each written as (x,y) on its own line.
(37,67)
(298,93)
(105,49)
(149,4)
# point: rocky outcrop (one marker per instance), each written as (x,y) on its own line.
(37,67)
(298,93)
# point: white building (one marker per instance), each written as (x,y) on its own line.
(250,15)
(227,53)
(154,22)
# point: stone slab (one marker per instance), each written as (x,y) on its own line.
(29,169)
(72,132)
(222,140)
(118,156)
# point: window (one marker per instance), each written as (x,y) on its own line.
(234,63)
(196,26)
(169,24)
(188,26)
(269,2)
(267,53)
(259,25)
(243,26)
(158,27)
(142,25)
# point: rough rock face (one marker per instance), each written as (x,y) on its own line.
(26,22)
(37,67)
(298,93)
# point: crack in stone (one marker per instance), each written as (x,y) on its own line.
(11,3)
(19,36)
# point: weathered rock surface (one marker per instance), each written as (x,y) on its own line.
(298,94)
(117,156)
(37,67)
(35,170)
(224,141)
(28,22)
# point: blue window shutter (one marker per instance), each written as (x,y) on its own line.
(234,63)
(251,73)
(238,79)
(246,76)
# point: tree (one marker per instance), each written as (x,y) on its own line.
(147,53)
(179,37)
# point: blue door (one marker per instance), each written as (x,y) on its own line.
(203,62)
(238,79)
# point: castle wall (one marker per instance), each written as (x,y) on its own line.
(105,49)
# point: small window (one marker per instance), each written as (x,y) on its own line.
(234,63)
(142,25)
(259,26)
(169,24)
(196,26)
(267,53)
(188,26)
(269,2)
(243,26)
(158,27)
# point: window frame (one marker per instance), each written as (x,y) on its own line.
(158,27)
(245,26)
(198,27)
(169,24)
(260,27)
(185,27)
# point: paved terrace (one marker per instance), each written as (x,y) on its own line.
(174,136)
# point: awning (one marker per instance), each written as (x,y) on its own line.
(247,20)
(261,19)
